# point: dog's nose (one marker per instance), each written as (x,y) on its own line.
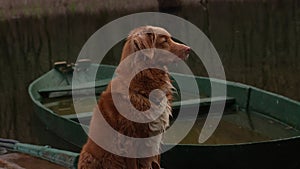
(187,50)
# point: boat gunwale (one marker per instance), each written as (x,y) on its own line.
(228,83)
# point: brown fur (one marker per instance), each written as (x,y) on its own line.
(93,156)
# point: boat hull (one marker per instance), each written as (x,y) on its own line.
(275,153)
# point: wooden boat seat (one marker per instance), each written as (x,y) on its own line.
(84,86)
(203,102)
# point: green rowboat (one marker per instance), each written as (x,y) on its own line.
(258,129)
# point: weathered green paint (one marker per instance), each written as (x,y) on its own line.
(61,157)
(64,158)
(249,155)
(278,107)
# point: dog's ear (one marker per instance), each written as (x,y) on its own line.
(145,43)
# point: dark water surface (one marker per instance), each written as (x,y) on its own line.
(235,126)
(258,43)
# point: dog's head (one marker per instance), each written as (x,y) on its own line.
(148,38)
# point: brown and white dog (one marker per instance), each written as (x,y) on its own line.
(147,37)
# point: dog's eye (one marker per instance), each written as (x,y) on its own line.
(164,40)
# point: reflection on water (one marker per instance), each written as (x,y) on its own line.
(235,126)
(226,133)
(258,43)
(64,105)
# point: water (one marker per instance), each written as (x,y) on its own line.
(258,43)
(226,133)
(64,105)
(235,126)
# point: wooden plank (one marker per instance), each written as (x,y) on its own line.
(203,102)
(101,83)
(236,90)
(79,115)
